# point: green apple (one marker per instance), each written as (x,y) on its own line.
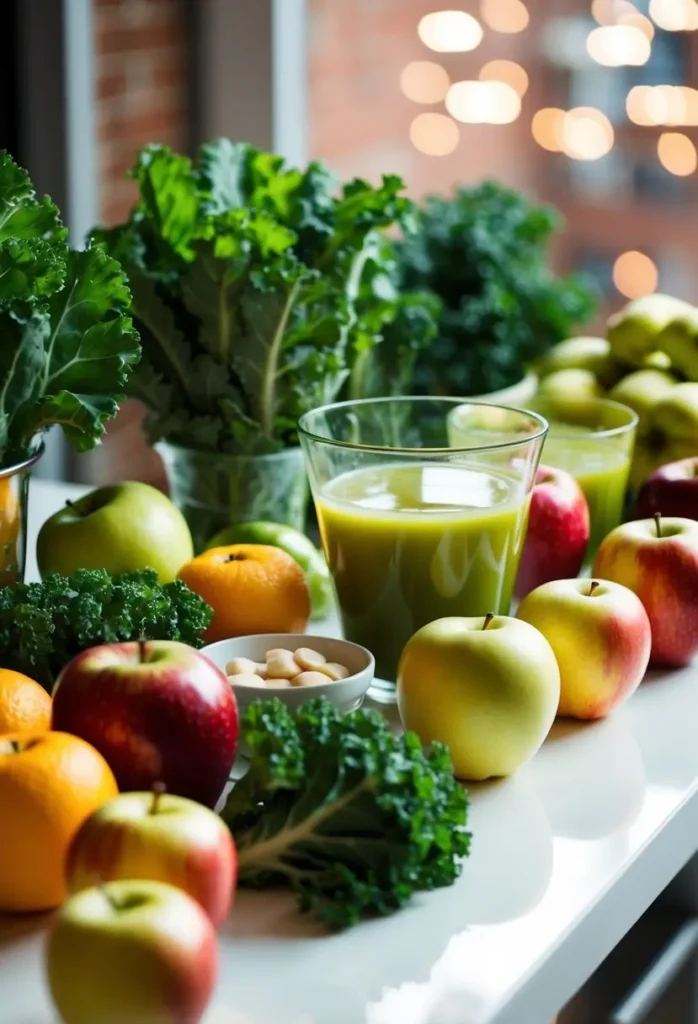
(642,389)
(131,951)
(570,386)
(669,432)
(295,544)
(120,528)
(657,361)
(634,331)
(576,354)
(679,342)
(487,687)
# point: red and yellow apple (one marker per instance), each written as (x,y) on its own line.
(658,560)
(600,634)
(558,530)
(487,687)
(160,838)
(131,951)
(158,711)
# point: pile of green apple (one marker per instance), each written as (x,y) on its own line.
(490,688)
(647,361)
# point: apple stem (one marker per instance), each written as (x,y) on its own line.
(141,650)
(68,503)
(658,523)
(592,588)
(108,896)
(158,789)
(488,619)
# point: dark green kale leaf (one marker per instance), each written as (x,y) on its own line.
(352,817)
(44,625)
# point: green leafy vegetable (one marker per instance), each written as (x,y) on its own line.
(248,281)
(353,818)
(484,252)
(44,625)
(68,344)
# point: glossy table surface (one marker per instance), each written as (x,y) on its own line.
(566,856)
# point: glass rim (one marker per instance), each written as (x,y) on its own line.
(310,435)
(605,432)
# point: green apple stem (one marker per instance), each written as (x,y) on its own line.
(68,503)
(488,619)
(658,523)
(158,789)
(592,588)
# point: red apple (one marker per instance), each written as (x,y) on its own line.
(157,711)
(658,560)
(600,635)
(161,838)
(131,951)
(558,531)
(672,490)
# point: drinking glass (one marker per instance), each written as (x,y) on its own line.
(413,528)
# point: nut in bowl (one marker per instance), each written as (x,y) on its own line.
(294,667)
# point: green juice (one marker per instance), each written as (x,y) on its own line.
(408,544)
(600,467)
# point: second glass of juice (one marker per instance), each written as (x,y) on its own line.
(413,529)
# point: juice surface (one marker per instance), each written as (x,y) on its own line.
(409,544)
(600,466)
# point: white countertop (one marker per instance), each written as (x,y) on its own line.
(566,856)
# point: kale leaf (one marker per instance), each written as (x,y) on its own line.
(247,280)
(485,253)
(352,817)
(68,342)
(44,625)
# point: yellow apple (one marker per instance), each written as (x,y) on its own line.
(487,687)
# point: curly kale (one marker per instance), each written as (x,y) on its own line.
(44,625)
(352,817)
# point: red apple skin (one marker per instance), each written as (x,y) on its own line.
(157,712)
(663,572)
(558,531)
(672,490)
(160,838)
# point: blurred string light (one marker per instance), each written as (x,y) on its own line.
(507,71)
(434,134)
(617,46)
(677,154)
(670,105)
(587,134)
(508,16)
(674,15)
(547,128)
(635,275)
(423,81)
(483,102)
(450,31)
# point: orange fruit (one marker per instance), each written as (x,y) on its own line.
(50,783)
(23,703)
(252,588)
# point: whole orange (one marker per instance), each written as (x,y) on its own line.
(50,783)
(252,588)
(23,703)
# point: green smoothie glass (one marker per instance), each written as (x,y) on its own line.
(414,529)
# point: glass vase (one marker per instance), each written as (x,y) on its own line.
(215,490)
(14,506)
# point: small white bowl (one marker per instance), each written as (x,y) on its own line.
(346,694)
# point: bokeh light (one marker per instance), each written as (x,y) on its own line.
(483,102)
(617,46)
(671,105)
(547,128)
(674,15)
(635,275)
(609,12)
(450,31)
(507,71)
(423,81)
(587,134)
(434,134)
(509,16)
(677,154)
(639,21)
